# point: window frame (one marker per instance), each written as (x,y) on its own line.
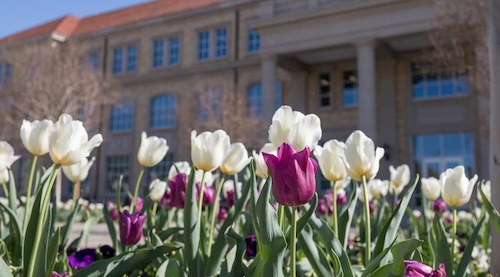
(129,113)
(439,79)
(124,65)
(112,176)
(253,36)
(155,118)
(353,92)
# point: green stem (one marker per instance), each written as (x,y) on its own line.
(30,183)
(293,244)
(367,223)
(136,191)
(281,217)
(41,221)
(454,233)
(214,213)
(153,213)
(334,218)
(200,197)
(5,190)
(76,195)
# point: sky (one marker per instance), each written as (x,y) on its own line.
(18,15)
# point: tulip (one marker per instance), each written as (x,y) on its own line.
(293,175)
(416,269)
(208,177)
(486,190)
(431,188)
(152,150)
(112,210)
(222,214)
(69,141)
(178,167)
(378,188)
(329,160)
(294,128)
(4,178)
(360,156)
(362,197)
(439,206)
(456,187)
(157,189)
(323,207)
(236,159)
(78,172)
(229,192)
(139,204)
(208,150)
(178,191)
(208,194)
(7,157)
(260,165)
(341,197)
(400,177)
(35,136)
(131,227)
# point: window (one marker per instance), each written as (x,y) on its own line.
(426,86)
(203,45)
(210,104)
(131,58)
(117,60)
(94,61)
(116,166)
(221,42)
(350,90)
(160,170)
(253,41)
(120,63)
(174,47)
(254,99)
(158,53)
(166,50)
(122,116)
(163,111)
(324,90)
(5,72)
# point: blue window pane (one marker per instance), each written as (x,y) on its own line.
(254,100)
(350,89)
(447,86)
(174,56)
(278,93)
(158,53)
(131,58)
(221,42)
(435,86)
(122,116)
(253,41)
(163,111)
(1,73)
(452,144)
(94,61)
(116,166)
(117,60)
(418,92)
(432,146)
(203,45)
(8,71)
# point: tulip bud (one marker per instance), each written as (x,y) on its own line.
(416,269)
(293,175)
(260,165)
(228,190)
(439,206)
(329,160)
(4,176)
(208,150)
(341,197)
(360,156)
(112,210)
(252,244)
(7,157)
(178,191)
(457,188)
(400,177)
(378,188)
(152,150)
(78,172)
(236,159)
(294,128)
(69,141)
(323,207)
(138,205)
(157,189)
(35,136)
(208,194)
(178,167)
(486,191)
(431,188)
(222,214)
(131,227)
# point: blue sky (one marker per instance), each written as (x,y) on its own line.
(18,15)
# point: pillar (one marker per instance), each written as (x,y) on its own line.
(367,116)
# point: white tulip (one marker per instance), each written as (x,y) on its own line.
(342,184)
(456,187)
(261,169)
(4,176)
(157,189)
(78,172)
(208,150)
(487,192)
(229,186)
(208,179)
(7,157)
(152,150)
(236,159)
(378,188)
(361,195)
(179,167)
(295,128)
(35,136)
(69,141)
(329,160)
(360,156)
(431,188)
(400,177)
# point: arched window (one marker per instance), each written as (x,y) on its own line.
(163,111)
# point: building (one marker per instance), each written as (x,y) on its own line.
(354,63)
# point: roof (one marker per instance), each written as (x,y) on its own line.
(71,25)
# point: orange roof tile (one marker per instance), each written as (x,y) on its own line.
(63,25)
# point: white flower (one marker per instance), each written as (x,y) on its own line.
(342,184)
(360,156)
(487,191)
(431,188)
(152,150)
(178,167)
(236,159)
(208,179)
(208,150)
(417,213)
(4,176)
(261,169)
(157,189)
(361,195)
(7,157)
(229,186)
(464,216)
(295,128)
(78,172)
(35,136)
(378,188)
(330,162)
(400,177)
(69,141)
(456,187)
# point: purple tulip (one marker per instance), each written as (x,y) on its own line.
(251,245)
(82,258)
(112,210)
(341,199)
(416,269)
(208,194)
(373,208)
(324,207)
(439,206)
(164,200)
(293,174)
(222,215)
(178,191)
(131,227)
(231,199)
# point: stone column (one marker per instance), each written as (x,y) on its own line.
(268,81)
(367,116)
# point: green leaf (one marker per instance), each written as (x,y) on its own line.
(192,257)
(301,223)
(383,271)
(345,217)
(170,267)
(233,265)
(443,254)
(52,251)
(164,235)
(112,229)
(41,261)
(125,263)
(12,191)
(93,220)
(375,261)
(492,211)
(401,250)
(15,234)
(66,230)
(4,269)
(317,258)
(466,256)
